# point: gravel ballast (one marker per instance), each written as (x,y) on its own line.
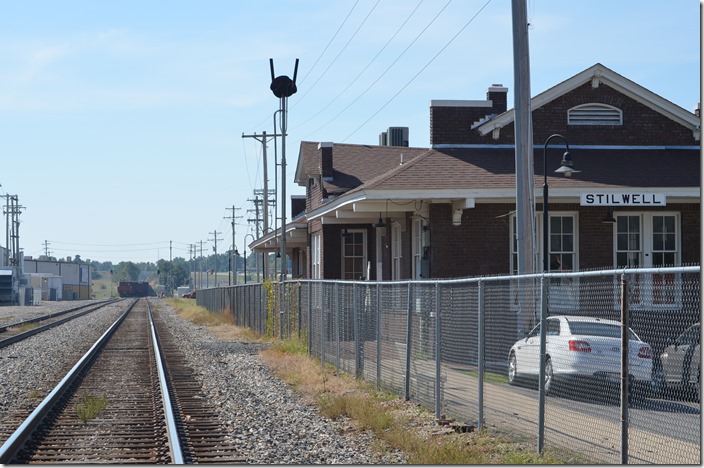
(268,421)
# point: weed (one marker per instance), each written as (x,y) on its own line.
(90,407)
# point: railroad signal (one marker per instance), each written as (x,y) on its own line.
(282,86)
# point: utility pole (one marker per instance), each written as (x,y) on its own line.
(263,139)
(46,248)
(233,259)
(191,258)
(525,207)
(12,230)
(215,249)
(201,268)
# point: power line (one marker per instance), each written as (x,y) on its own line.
(329,42)
(354,80)
(317,60)
(421,70)
(384,73)
(310,88)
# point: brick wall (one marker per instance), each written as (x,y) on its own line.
(480,245)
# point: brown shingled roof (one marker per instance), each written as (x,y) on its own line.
(353,165)
(495,168)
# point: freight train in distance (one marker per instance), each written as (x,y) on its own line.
(134,289)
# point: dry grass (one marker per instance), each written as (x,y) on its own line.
(396,423)
(90,406)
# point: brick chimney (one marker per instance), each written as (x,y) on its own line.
(325,165)
(497,94)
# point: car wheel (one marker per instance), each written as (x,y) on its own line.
(512,370)
(549,377)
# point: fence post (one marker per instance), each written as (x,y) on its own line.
(378,335)
(357,337)
(408,342)
(300,292)
(310,317)
(323,330)
(281,310)
(624,369)
(541,369)
(438,354)
(337,327)
(480,354)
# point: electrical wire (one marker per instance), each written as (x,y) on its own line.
(354,80)
(316,61)
(384,72)
(421,70)
(311,88)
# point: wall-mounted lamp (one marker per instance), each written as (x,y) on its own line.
(609,219)
(380,224)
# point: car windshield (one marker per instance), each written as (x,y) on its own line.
(599,329)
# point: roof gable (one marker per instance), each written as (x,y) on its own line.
(600,74)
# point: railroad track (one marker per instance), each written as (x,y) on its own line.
(18,331)
(151,409)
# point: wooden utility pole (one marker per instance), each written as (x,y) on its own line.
(215,249)
(525,206)
(233,258)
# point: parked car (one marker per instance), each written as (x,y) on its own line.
(189,295)
(680,366)
(579,348)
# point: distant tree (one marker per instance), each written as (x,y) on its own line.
(173,274)
(126,271)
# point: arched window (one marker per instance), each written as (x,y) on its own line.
(594,114)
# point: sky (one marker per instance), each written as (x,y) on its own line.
(122,121)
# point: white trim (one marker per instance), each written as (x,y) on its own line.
(459,103)
(585,147)
(343,257)
(614,80)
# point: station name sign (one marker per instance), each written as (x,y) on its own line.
(622,199)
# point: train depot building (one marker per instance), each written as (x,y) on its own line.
(449,211)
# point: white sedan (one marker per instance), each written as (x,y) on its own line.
(581,347)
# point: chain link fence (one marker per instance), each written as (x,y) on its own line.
(473,350)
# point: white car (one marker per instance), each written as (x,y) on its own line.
(581,347)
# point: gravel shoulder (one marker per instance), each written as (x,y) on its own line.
(268,421)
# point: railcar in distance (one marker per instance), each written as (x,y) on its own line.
(134,289)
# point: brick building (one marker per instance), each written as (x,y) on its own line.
(386,213)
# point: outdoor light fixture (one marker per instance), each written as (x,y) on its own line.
(609,219)
(567,168)
(380,224)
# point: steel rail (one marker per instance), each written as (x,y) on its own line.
(10,447)
(26,334)
(169,410)
(4,328)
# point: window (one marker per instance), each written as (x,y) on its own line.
(647,240)
(562,242)
(315,256)
(563,293)
(594,114)
(396,251)
(354,255)
(417,240)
